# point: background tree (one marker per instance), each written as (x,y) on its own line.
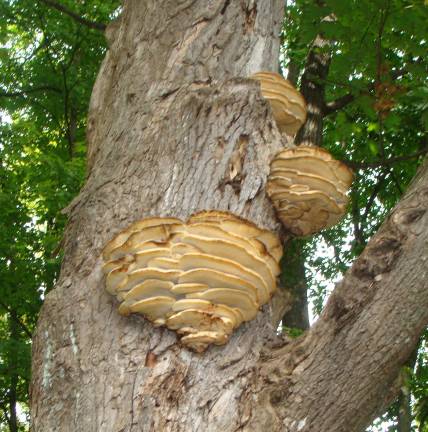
(48,113)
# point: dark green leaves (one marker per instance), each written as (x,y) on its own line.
(379,64)
(48,63)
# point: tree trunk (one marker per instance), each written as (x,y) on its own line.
(13,366)
(404,423)
(297,317)
(313,90)
(405,417)
(174,127)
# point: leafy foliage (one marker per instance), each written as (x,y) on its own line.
(48,62)
(419,385)
(375,119)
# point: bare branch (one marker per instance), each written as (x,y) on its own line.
(61,8)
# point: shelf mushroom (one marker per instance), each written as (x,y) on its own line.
(201,278)
(308,189)
(288,105)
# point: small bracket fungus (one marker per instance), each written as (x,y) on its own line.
(201,278)
(308,189)
(288,105)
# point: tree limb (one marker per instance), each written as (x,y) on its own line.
(61,8)
(343,101)
(293,72)
(16,318)
(376,189)
(338,104)
(348,362)
(29,91)
(384,162)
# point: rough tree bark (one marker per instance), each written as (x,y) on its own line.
(313,90)
(175,127)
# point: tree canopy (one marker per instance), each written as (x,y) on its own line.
(367,61)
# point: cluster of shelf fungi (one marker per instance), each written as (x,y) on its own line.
(206,276)
(201,278)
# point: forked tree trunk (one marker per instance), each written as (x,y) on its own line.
(175,126)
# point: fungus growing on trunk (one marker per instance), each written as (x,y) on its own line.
(202,278)
(308,189)
(288,105)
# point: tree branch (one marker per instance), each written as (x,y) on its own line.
(385,162)
(396,181)
(293,72)
(338,104)
(376,189)
(343,101)
(348,362)
(61,8)
(18,321)
(29,91)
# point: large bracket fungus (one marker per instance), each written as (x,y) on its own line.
(201,278)
(308,189)
(288,105)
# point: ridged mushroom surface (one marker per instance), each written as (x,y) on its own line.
(201,278)
(308,188)
(288,105)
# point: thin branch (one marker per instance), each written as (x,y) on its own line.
(69,133)
(355,214)
(385,162)
(396,181)
(377,188)
(382,22)
(343,101)
(338,104)
(29,91)
(61,8)
(18,321)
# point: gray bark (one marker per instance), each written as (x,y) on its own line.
(175,126)
(172,115)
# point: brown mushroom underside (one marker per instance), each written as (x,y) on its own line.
(308,189)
